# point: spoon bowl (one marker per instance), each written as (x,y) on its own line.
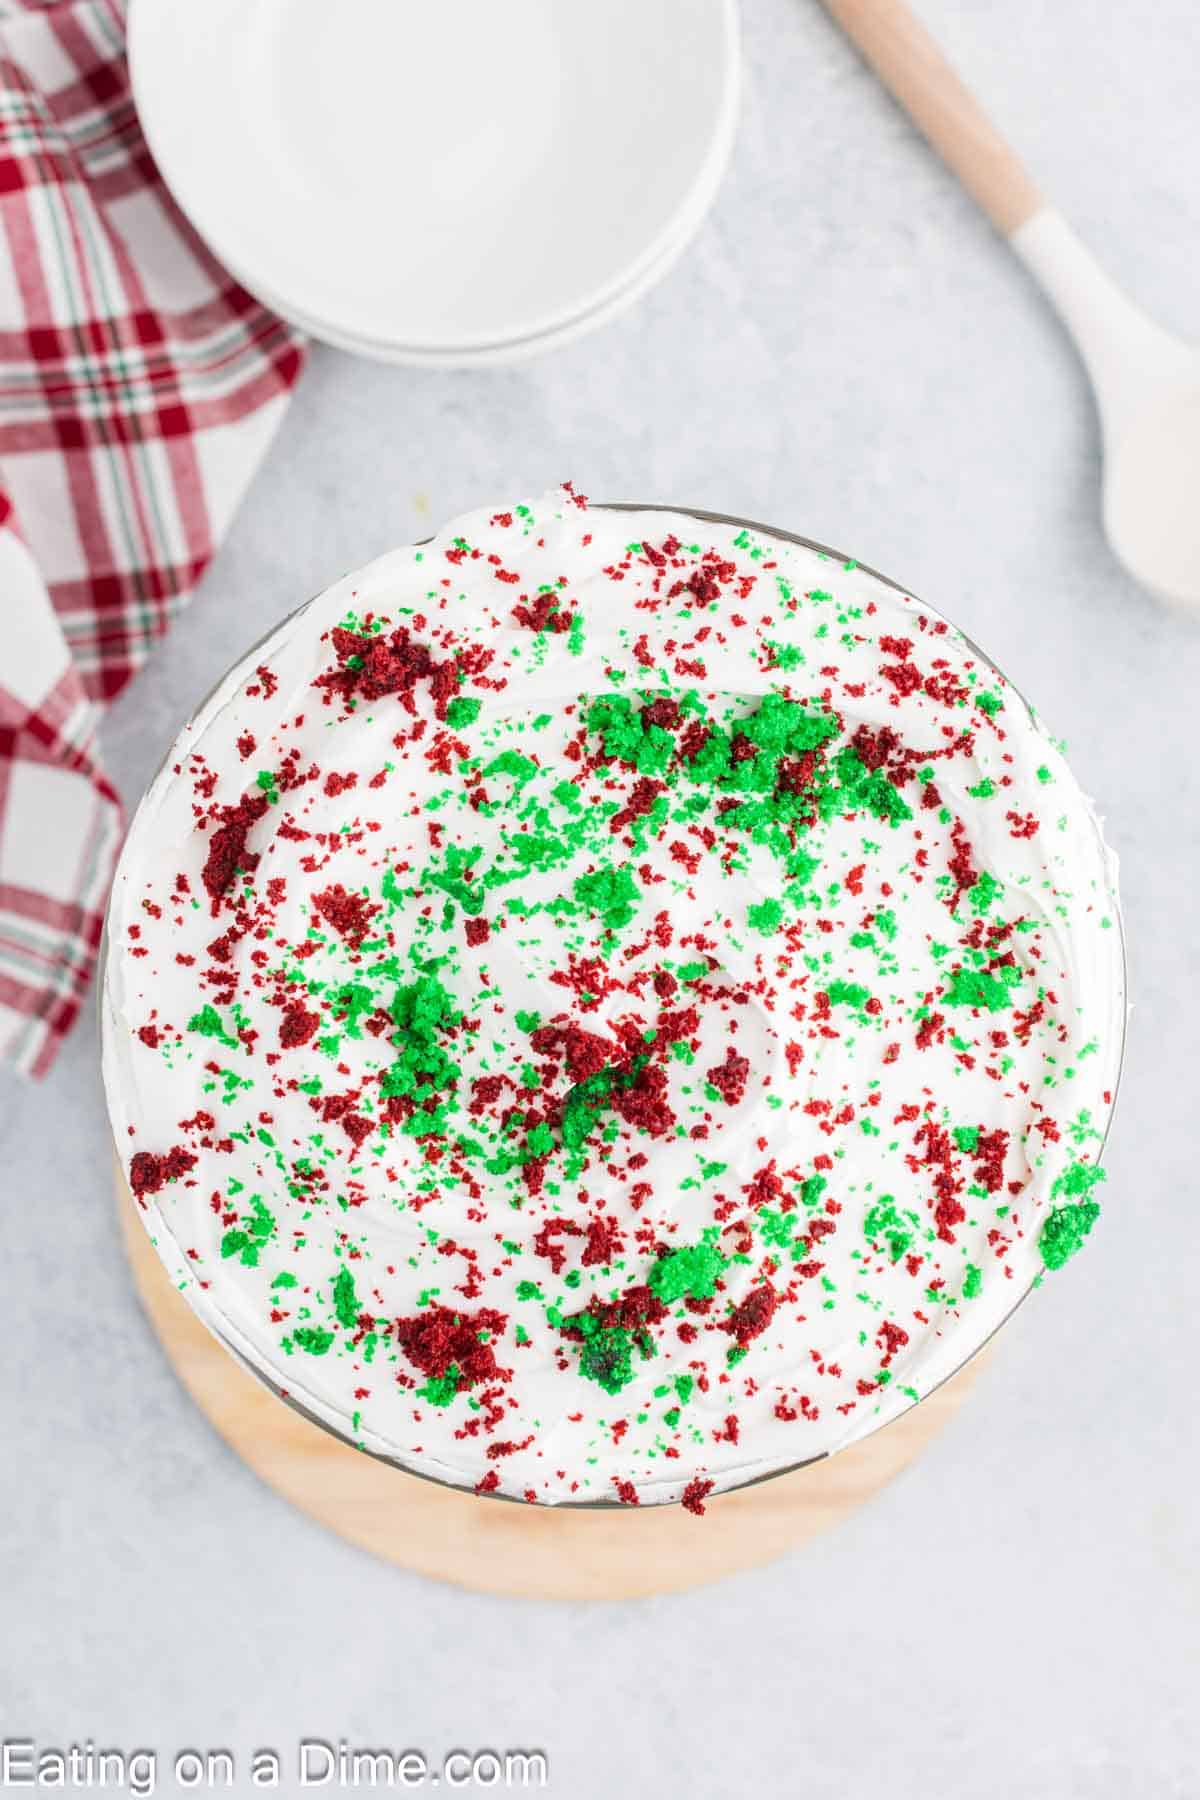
(1152,492)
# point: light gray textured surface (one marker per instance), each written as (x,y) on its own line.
(848,351)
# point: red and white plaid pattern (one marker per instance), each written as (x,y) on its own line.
(139,388)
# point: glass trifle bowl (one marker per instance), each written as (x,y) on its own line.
(612,1004)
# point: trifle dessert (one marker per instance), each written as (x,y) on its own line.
(608,1004)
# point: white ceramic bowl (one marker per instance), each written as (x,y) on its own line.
(518,349)
(440,182)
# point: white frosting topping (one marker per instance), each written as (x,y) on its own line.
(633,1009)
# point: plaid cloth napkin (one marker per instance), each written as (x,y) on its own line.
(139,389)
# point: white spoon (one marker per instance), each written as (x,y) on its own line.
(1146,382)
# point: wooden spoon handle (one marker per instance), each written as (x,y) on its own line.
(911,66)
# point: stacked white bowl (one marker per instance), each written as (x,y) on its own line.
(440,182)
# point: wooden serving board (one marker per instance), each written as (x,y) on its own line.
(539,1552)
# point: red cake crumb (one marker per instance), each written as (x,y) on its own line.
(439,1336)
(297,1025)
(695,1494)
(730,1077)
(351,915)
(148,1172)
(753,1316)
(227,848)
